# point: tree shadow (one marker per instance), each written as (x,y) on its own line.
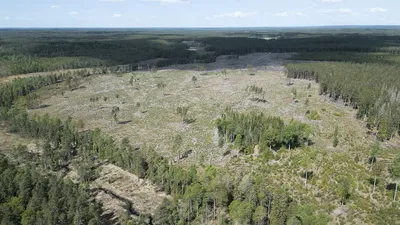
(189,121)
(391,186)
(124,122)
(77,88)
(372,181)
(186,154)
(310,143)
(110,217)
(40,107)
(258,100)
(227,153)
(307,174)
(372,159)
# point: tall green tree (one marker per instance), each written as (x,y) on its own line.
(395,172)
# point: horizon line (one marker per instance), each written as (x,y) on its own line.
(205,27)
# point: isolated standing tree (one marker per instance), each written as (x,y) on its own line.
(161,85)
(374,153)
(72,83)
(306,164)
(395,171)
(33,101)
(182,111)
(294,92)
(177,145)
(344,189)
(335,137)
(114,113)
(131,81)
(224,72)
(377,169)
(194,80)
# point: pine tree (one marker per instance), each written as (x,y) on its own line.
(335,137)
(395,171)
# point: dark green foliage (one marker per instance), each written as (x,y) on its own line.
(241,211)
(382,57)
(344,189)
(42,198)
(280,207)
(331,43)
(256,128)
(27,51)
(370,88)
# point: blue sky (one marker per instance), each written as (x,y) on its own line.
(197,13)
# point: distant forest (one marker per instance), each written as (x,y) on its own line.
(29,51)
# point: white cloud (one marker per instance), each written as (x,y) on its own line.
(15,18)
(116,15)
(283,14)
(73,13)
(286,14)
(345,10)
(300,14)
(112,0)
(341,11)
(325,11)
(332,1)
(164,2)
(237,14)
(374,10)
(55,6)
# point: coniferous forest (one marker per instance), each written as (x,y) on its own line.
(356,69)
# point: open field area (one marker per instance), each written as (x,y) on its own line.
(148,113)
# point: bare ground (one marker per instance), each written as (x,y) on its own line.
(140,192)
(148,114)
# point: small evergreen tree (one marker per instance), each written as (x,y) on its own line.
(335,137)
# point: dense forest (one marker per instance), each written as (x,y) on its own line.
(246,131)
(372,89)
(59,50)
(28,197)
(332,43)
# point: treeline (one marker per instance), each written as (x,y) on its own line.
(354,57)
(21,64)
(48,55)
(373,89)
(27,197)
(248,130)
(332,43)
